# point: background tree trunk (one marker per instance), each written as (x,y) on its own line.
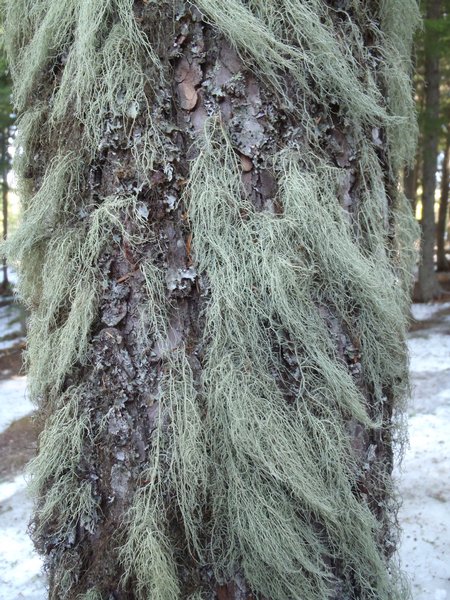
(410,183)
(5,163)
(441,231)
(428,284)
(214,252)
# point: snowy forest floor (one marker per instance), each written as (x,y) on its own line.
(423,480)
(424,477)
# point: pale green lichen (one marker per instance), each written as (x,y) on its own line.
(263,486)
(196,596)
(60,278)
(280,270)
(68,501)
(103,71)
(92,594)
(147,552)
(399,22)
(297,37)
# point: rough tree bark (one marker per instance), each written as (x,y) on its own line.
(213,253)
(428,283)
(441,229)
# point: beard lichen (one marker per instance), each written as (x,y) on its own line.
(267,492)
(265,487)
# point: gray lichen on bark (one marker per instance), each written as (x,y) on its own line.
(217,259)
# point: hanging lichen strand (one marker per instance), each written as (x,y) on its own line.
(263,375)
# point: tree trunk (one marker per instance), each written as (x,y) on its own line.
(411,172)
(442,262)
(428,283)
(217,262)
(4,152)
(410,183)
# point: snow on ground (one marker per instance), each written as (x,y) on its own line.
(425,473)
(11,324)
(425,516)
(424,479)
(422,312)
(20,567)
(14,403)
(20,576)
